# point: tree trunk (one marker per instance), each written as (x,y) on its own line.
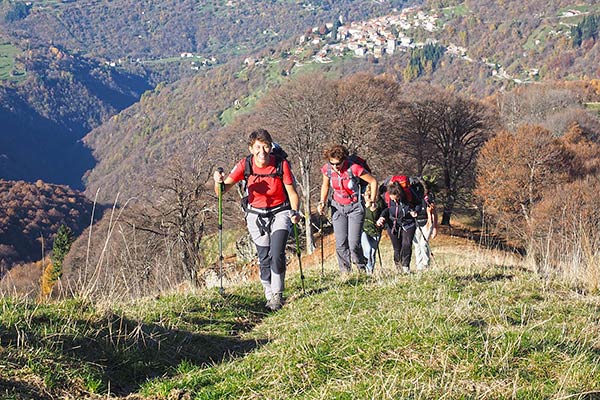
(450,199)
(310,243)
(446,214)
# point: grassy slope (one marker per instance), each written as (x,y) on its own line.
(477,325)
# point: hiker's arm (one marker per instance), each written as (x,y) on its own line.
(407,210)
(383,217)
(294,202)
(323,195)
(219,178)
(370,179)
(431,212)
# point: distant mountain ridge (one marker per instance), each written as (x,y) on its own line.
(481,48)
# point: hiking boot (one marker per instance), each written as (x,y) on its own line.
(276,302)
(405,270)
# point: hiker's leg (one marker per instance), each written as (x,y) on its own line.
(355,227)
(420,245)
(263,245)
(339,220)
(369,246)
(396,245)
(280,229)
(406,246)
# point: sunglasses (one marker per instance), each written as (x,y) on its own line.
(337,163)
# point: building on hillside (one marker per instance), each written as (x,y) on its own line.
(391,46)
(360,52)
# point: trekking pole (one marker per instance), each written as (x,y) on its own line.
(299,256)
(220,213)
(379,252)
(322,252)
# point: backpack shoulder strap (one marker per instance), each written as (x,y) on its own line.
(248,171)
(279,165)
(248,167)
(349,169)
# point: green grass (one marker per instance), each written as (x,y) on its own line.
(477,325)
(456,11)
(8,70)
(593,106)
(584,8)
(541,33)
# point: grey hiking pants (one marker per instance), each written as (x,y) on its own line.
(270,235)
(347,223)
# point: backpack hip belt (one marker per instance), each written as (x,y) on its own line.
(269,211)
(267,215)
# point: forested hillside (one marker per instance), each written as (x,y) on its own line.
(71,65)
(30,215)
(130,29)
(44,116)
(478,48)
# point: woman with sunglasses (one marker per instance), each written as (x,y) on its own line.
(347,209)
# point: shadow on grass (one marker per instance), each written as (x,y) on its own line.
(482,278)
(125,353)
(10,389)
(484,238)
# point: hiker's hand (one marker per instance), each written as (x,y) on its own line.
(320,208)
(295,217)
(373,207)
(413,214)
(380,221)
(433,233)
(218,176)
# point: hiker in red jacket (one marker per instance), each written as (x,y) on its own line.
(272,206)
(343,175)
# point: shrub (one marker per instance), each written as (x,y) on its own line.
(566,233)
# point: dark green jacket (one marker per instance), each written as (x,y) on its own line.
(371,217)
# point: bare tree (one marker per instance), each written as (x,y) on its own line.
(181,210)
(359,108)
(462,127)
(408,139)
(298,115)
(146,244)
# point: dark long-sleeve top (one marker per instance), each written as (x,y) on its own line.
(397,215)
(371,217)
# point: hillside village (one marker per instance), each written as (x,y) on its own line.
(378,37)
(394,33)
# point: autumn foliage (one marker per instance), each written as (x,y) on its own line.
(30,216)
(540,191)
